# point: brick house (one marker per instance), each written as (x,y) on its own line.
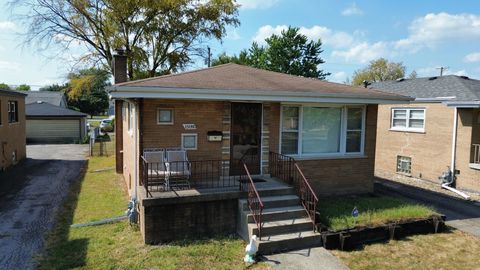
(437,131)
(12,128)
(244,129)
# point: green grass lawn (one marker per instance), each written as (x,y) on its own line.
(336,213)
(101,194)
(449,250)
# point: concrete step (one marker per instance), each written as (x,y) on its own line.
(275,191)
(275,201)
(290,241)
(282,226)
(280,213)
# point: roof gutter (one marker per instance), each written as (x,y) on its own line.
(463,104)
(253,95)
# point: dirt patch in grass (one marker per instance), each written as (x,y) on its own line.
(336,213)
(101,195)
(451,250)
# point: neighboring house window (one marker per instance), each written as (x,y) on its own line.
(129,117)
(12,111)
(404,165)
(408,119)
(164,116)
(189,141)
(316,131)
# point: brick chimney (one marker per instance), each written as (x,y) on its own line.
(119,64)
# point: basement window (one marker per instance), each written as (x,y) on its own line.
(404,165)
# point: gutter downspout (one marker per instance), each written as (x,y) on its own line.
(135,121)
(452,165)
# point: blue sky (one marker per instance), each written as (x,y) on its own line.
(423,35)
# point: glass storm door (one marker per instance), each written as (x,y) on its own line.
(245,143)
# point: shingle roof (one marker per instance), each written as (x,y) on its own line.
(460,87)
(11,93)
(51,97)
(48,110)
(239,77)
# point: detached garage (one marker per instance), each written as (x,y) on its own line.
(47,123)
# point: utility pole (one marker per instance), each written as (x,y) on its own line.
(442,69)
(209,57)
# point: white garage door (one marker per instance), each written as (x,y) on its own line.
(53,131)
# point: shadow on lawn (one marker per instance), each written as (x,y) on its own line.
(60,252)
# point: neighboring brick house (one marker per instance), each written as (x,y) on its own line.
(231,113)
(437,131)
(12,128)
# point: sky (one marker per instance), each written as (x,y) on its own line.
(423,35)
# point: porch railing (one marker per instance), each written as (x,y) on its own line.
(286,169)
(254,201)
(476,153)
(178,175)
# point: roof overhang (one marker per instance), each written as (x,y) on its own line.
(463,104)
(124,92)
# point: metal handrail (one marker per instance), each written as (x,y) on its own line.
(476,153)
(254,202)
(286,169)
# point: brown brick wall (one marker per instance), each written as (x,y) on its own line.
(206,115)
(12,135)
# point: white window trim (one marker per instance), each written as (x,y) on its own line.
(172,110)
(407,122)
(12,109)
(343,132)
(190,134)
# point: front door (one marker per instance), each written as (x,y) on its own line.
(245,134)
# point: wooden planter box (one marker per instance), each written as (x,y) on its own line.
(351,238)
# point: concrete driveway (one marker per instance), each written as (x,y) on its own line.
(30,195)
(461,214)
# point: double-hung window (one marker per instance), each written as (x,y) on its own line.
(12,111)
(322,130)
(408,119)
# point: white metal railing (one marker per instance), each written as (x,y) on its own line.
(476,153)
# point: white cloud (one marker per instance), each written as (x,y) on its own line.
(7,26)
(339,77)
(233,35)
(336,39)
(256,4)
(435,71)
(6,65)
(364,52)
(472,57)
(352,10)
(432,29)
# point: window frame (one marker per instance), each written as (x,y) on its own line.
(343,131)
(407,127)
(15,111)
(183,135)
(405,159)
(172,116)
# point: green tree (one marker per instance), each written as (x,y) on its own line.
(4,86)
(54,88)
(290,52)
(159,36)
(23,87)
(86,91)
(379,70)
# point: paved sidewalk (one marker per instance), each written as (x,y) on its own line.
(316,258)
(461,214)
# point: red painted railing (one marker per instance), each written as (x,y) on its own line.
(286,169)
(254,201)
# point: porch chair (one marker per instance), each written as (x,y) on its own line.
(157,167)
(179,169)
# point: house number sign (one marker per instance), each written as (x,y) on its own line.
(189,126)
